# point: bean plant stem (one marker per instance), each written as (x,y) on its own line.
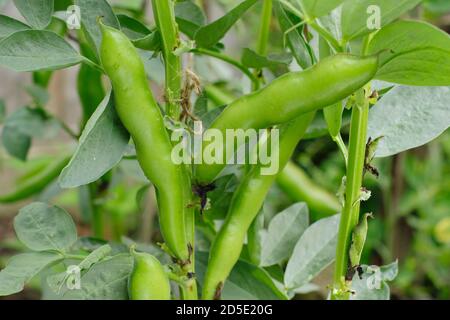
(263,35)
(350,213)
(168,28)
(229,60)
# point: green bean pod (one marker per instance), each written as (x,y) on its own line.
(245,205)
(142,117)
(148,280)
(291,95)
(299,187)
(36,183)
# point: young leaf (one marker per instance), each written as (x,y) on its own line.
(42,227)
(38,13)
(314,251)
(107,279)
(90,11)
(419,54)
(33,50)
(8,26)
(408,117)
(251,59)
(207,36)
(283,233)
(93,157)
(355,14)
(319,8)
(22,268)
(298,46)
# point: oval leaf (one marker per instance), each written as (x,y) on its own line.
(42,227)
(38,13)
(22,268)
(8,26)
(283,233)
(93,157)
(419,54)
(106,280)
(315,250)
(408,117)
(33,50)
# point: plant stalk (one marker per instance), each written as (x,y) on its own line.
(168,28)
(350,213)
(263,36)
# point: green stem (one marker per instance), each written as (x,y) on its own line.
(168,28)
(264,30)
(227,59)
(350,213)
(263,35)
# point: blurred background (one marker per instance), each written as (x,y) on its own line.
(411,198)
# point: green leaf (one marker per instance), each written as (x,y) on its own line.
(423,67)
(132,28)
(106,280)
(189,17)
(315,250)
(151,42)
(251,59)
(33,50)
(408,117)
(246,281)
(93,157)
(42,227)
(355,16)
(298,46)
(22,268)
(419,54)
(90,11)
(8,26)
(284,230)
(207,36)
(372,285)
(319,8)
(32,122)
(406,36)
(38,13)
(16,143)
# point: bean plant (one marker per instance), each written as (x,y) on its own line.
(368,75)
